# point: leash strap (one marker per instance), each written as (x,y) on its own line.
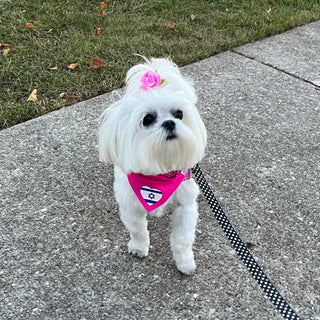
(244,254)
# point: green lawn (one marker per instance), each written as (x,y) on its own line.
(63,32)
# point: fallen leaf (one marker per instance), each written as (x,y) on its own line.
(257,22)
(6,51)
(29,25)
(268,19)
(170,26)
(193,17)
(98,31)
(33,96)
(73,100)
(269,11)
(101,13)
(4,45)
(316,83)
(103,5)
(73,66)
(63,95)
(55,68)
(97,63)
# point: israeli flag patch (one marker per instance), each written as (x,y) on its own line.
(150,196)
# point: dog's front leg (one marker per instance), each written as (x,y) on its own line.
(136,223)
(184,221)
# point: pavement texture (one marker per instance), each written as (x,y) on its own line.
(63,248)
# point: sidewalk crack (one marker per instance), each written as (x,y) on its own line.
(276,68)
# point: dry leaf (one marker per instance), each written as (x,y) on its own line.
(103,5)
(316,83)
(4,45)
(33,96)
(6,51)
(257,22)
(97,63)
(170,26)
(73,66)
(268,19)
(63,95)
(269,11)
(73,100)
(101,13)
(55,68)
(98,31)
(29,25)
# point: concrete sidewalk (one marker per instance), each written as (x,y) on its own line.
(63,248)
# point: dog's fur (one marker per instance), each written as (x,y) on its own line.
(132,146)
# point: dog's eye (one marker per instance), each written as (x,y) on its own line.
(148,119)
(178,114)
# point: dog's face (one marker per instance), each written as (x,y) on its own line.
(153,131)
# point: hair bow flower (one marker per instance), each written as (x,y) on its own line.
(150,80)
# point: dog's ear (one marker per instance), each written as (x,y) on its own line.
(107,136)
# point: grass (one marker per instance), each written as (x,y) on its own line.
(64,33)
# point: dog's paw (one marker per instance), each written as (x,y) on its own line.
(137,249)
(187,267)
(184,261)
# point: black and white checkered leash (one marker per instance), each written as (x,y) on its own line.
(244,254)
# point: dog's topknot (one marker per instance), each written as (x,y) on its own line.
(169,73)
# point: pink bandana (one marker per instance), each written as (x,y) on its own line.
(153,191)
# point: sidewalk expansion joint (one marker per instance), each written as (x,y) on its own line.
(276,68)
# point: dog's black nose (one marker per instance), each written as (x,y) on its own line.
(169,125)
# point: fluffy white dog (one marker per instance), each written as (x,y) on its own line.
(153,135)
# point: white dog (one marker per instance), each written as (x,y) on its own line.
(153,135)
